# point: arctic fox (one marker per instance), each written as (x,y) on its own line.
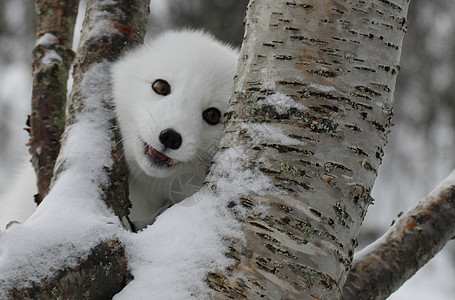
(170,97)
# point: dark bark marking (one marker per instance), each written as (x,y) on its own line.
(393,5)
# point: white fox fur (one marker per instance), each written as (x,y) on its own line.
(167,138)
(200,72)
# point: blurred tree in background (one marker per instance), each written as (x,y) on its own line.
(16,44)
(222,18)
(16,30)
(426,90)
(420,149)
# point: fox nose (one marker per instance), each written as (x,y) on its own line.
(170,138)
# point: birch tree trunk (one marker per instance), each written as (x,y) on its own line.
(323,74)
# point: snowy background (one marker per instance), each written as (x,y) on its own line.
(420,150)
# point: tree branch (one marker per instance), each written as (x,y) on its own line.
(76,233)
(106,38)
(100,276)
(52,58)
(384,266)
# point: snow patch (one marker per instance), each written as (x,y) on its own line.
(271,134)
(236,178)
(282,103)
(170,259)
(51,56)
(47,39)
(322,88)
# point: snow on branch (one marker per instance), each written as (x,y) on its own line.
(67,239)
(385,265)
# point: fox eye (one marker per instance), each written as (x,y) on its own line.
(211,115)
(161,87)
